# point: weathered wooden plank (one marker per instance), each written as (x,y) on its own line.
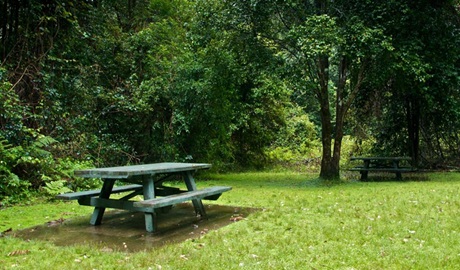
(111,203)
(182,197)
(98,212)
(402,170)
(197,203)
(123,172)
(149,193)
(89,193)
(381,158)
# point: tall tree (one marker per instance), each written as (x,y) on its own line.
(227,77)
(328,46)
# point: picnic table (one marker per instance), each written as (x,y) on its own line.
(382,164)
(147,181)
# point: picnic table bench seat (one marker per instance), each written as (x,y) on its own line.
(90,193)
(206,194)
(211,193)
(383,169)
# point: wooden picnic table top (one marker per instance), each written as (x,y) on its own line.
(380,158)
(124,172)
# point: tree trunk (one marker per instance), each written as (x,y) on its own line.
(413,128)
(4,28)
(339,124)
(328,170)
(329,166)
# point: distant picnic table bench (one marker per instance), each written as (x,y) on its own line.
(382,164)
(147,181)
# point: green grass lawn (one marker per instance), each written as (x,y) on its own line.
(301,225)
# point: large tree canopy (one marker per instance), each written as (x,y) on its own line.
(416,82)
(329,47)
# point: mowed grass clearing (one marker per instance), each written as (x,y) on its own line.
(302,224)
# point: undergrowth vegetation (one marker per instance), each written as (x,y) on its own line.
(31,168)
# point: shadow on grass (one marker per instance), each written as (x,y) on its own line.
(125,231)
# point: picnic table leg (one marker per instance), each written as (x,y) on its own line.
(191,185)
(149,193)
(396,166)
(365,173)
(98,212)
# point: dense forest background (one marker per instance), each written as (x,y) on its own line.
(240,84)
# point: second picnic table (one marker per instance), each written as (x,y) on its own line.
(382,164)
(147,181)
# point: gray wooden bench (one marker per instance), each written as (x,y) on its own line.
(382,164)
(92,193)
(171,195)
(211,193)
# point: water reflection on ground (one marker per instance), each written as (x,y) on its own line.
(125,231)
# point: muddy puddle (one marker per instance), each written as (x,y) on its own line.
(125,231)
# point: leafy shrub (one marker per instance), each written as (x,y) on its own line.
(54,188)
(297,145)
(32,167)
(12,189)
(67,179)
(23,168)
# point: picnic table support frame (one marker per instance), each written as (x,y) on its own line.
(191,186)
(398,173)
(151,176)
(364,173)
(373,164)
(98,212)
(149,193)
